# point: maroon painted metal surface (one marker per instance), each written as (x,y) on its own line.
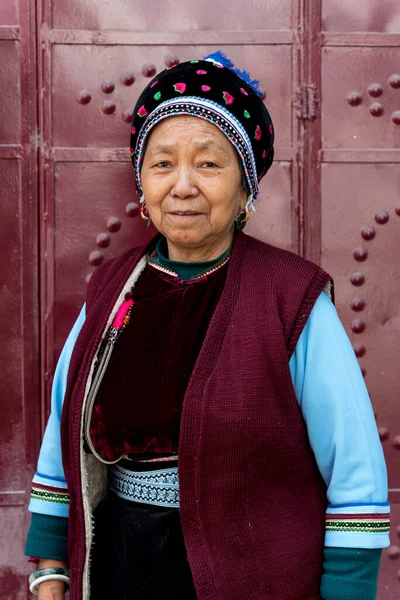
(360,211)
(331,72)
(19,382)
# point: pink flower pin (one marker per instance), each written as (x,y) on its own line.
(201,72)
(154,83)
(244,91)
(133,130)
(205,88)
(180,87)
(228,98)
(142,112)
(258,134)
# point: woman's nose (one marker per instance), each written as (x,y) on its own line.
(184,185)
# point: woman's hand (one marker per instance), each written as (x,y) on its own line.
(53,589)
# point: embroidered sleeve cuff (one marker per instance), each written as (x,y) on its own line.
(49,496)
(358,526)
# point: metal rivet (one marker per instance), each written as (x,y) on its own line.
(396,117)
(354,98)
(376,109)
(126,115)
(357,279)
(113,224)
(84,97)
(394,81)
(127,78)
(375,90)
(103,240)
(108,107)
(368,233)
(396,442)
(132,209)
(358,326)
(382,217)
(393,552)
(397,209)
(170,61)
(360,254)
(149,70)
(357,304)
(360,350)
(96,258)
(383,433)
(108,86)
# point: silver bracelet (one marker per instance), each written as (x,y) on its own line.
(51,573)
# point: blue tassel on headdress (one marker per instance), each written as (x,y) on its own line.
(222,59)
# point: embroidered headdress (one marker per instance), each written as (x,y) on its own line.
(214,90)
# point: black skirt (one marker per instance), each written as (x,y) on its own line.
(138,553)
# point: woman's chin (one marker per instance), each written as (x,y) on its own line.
(184,232)
(184,237)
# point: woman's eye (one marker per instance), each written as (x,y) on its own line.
(208,163)
(162,164)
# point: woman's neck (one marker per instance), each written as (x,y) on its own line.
(182,253)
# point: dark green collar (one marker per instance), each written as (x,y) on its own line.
(186,270)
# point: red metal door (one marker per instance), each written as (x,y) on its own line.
(360,209)
(335,175)
(19,423)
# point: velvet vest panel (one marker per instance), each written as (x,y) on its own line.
(252,499)
(138,404)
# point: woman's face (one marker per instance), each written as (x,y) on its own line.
(192,184)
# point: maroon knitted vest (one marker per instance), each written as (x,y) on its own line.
(252,499)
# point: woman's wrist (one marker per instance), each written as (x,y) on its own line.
(50,580)
(49,563)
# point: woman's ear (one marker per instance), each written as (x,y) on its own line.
(243,198)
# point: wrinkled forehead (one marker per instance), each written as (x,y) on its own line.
(184,132)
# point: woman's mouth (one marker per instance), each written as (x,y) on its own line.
(184,213)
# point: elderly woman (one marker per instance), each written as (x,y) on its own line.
(217,441)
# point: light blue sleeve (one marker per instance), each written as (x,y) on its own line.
(49,494)
(341,427)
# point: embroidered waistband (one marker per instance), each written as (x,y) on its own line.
(158,487)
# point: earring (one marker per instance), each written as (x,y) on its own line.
(241,220)
(245,215)
(144,213)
